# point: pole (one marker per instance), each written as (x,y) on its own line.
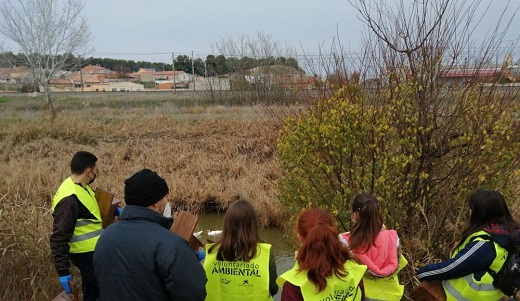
(81,74)
(193,71)
(173,67)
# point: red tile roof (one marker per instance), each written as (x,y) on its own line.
(94,69)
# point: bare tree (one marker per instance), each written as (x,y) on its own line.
(48,33)
(250,61)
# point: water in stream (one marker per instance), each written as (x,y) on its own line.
(283,244)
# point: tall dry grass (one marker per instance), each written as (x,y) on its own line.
(209,156)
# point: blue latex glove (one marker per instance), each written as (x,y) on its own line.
(200,254)
(64,281)
(119,211)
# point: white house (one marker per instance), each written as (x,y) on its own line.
(124,86)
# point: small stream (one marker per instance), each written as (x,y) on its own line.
(283,244)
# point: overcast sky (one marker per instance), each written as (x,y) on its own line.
(152,30)
(182,26)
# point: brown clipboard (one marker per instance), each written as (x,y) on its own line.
(184,226)
(429,291)
(107,206)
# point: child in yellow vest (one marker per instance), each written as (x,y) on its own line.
(322,270)
(490,234)
(377,248)
(238,266)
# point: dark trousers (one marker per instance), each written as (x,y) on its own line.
(88,280)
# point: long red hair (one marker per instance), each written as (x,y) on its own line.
(321,254)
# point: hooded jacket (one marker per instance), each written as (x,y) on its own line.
(138,258)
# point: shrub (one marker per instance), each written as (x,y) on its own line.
(421,163)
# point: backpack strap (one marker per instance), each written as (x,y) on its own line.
(488,238)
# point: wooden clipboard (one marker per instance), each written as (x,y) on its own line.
(107,206)
(429,291)
(184,226)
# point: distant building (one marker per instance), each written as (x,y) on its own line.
(271,77)
(146,70)
(143,75)
(92,69)
(16,75)
(124,86)
(60,85)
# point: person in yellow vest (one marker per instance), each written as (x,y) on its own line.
(371,244)
(486,241)
(322,270)
(77,225)
(238,266)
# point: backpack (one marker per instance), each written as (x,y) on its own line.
(507,279)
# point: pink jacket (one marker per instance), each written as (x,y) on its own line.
(382,258)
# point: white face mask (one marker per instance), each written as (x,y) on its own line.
(167,210)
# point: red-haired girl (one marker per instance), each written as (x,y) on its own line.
(377,248)
(322,270)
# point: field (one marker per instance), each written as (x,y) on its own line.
(210,155)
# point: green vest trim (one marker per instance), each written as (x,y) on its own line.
(238,280)
(467,288)
(346,288)
(86,231)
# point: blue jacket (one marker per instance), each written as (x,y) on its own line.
(474,259)
(138,258)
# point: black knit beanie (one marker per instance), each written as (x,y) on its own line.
(145,188)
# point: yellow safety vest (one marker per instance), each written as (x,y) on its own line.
(467,287)
(86,231)
(346,288)
(384,288)
(238,280)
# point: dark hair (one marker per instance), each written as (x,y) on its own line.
(240,235)
(489,207)
(321,254)
(369,224)
(81,161)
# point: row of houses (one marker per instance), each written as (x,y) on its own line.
(99,79)
(96,78)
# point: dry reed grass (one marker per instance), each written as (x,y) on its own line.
(209,156)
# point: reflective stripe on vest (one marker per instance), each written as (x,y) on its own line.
(238,280)
(385,288)
(467,288)
(346,288)
(86,231)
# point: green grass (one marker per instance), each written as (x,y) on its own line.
(4,99)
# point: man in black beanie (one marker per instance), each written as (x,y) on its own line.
(138,258)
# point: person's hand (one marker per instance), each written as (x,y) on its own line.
(200,254)
(64,281)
